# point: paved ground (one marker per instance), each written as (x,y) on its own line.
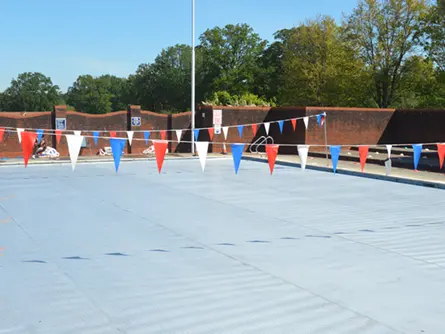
(92,251)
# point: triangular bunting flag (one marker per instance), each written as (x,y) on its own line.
(196,134)
(117,148)
(96,137)
(146,136)
(178,135)
(27,140)
(163,134)
(281,124)
(303,151)
(130,136)
(39,135)
(225,131)
(335,154)
(237,154)
(202,147)
(267,127)
(363,152)
(77,132)
(294,123)
(272,152)
(112,134)
(240,130)
(388,148)
(417,151)
(388,167)
(441,153)
(74,143)
(58,136)
(211,131)
(306,121)
(254,129)
(19,132)
(2,133)
(160,149)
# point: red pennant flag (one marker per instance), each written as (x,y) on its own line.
(294,123)
(2,132)
(163,134)
(441,152)
(272,152)
(112,134)
(211,131)
(254,129)
(160,149)
(363,151)
(28,139)
(58,136)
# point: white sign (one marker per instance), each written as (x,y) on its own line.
(60,123)
(136,121)
(217,129)
(217,117)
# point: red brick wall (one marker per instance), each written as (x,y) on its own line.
(344,126)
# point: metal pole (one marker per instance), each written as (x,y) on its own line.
(193,78)
(326,140)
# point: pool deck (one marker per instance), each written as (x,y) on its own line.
(92,251)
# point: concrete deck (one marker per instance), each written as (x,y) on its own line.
(92,251)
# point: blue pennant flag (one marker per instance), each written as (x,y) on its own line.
(95,137)
(281,124)
(240,130)
(237,153)
(39,135)
(417,151)
(196,134)
(117,147)
(335,153)
(146,136)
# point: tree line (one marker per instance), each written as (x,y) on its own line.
(385,53)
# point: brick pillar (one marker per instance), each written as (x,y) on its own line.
(59,112)
(132,112)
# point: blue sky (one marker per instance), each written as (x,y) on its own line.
(64,39)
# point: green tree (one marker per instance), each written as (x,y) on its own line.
(434,34)
(119,89)
(90,95)
(165,85)
(385,32)
(230,58)
(320,68)
(30,92)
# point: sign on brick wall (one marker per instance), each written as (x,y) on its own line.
(61,124)
(217,121)
(136,121)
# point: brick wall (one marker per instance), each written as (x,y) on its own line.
(344,126)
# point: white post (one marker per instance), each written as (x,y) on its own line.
(193,77)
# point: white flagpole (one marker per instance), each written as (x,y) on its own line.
(193,78)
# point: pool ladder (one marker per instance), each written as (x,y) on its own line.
(260,141)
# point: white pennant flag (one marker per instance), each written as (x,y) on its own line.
(306,121)
(388,148)
(178,135)
(74,143)
(202,147)
(77,132)
(130,136)
(388,167)
(266,127)
(225,131)
(19,134)
(303,152)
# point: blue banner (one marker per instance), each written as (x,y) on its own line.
(146,136)
(335,154)
(240,130)
(95,137)
(117,147)
(237,153)
(417,152)
(196,134)
(281,124)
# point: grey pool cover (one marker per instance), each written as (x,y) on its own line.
(92,251)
